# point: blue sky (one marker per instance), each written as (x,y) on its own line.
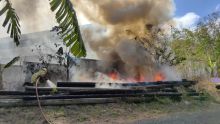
(200,7)
(189,12)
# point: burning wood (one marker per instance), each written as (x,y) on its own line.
(113,75)
(128,63)
(102,96)
(124,58)
(79,90)
(159,77)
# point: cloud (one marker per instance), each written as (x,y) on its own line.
(189,20)
(217,8)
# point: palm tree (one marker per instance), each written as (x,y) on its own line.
(65,16)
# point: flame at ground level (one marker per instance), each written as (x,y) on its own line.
(139,78)
(113,75)
(159,77)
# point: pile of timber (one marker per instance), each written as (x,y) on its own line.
(87,92)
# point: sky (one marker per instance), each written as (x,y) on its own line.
(200,7)
(187,13)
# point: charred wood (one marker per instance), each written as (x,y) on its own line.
(57,102)
(102,96)
(92,84)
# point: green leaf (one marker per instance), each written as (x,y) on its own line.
(11,21)
(74,50)
(9,27)
(13,61)
(4,10)
(67,38)
(54,4)
(70,31)
(72,40)
(12,32)
(7,19)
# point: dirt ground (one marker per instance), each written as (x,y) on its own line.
(209,116)
(114,113)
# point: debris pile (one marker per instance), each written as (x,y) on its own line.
(88,91)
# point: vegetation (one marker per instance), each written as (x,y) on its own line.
(65,16)
(12,21)
(15,59)
(200,44)
(104,113)
(70,32)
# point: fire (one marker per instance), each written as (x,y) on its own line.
(159,77)
(140,78)
(113,75)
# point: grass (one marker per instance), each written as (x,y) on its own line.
(122,112)
(103,113)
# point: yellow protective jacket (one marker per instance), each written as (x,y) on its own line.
(41,73)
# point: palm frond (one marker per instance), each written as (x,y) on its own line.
(70,31)
(15,59)
(12,21)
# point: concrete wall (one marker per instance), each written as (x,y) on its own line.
(14,77)
(32,47)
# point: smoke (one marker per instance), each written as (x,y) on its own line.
(121,15)
(126,11)
(35,15)
(27,10)
(111,39)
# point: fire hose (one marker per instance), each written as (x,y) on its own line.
(39,104)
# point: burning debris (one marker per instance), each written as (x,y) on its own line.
(88,92)
(115,37)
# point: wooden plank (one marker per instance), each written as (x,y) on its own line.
(82,91)
(59,102)
(130,84)
(102,95)
(2,93)
(31,88)
(63,88)
(76,84)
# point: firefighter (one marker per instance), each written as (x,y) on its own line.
(41,77)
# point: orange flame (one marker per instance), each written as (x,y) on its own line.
(159,77)
(140,78)
(113,75)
